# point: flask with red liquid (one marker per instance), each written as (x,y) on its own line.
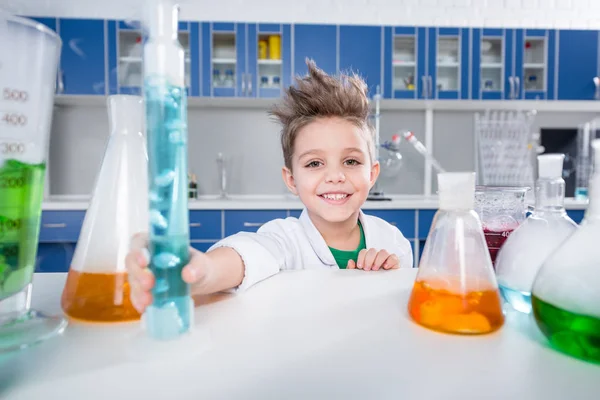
(456,290)
(501,210)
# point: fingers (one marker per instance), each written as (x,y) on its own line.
(196,270)
(351,264)
(141,279)
(139,241)
(380,258)
(360,260)
(392,262)
(366,258)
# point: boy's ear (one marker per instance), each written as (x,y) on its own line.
(288,179)
(375,169)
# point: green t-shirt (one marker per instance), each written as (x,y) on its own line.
(343,256)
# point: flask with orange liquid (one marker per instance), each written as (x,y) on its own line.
(456,290)
(97,289)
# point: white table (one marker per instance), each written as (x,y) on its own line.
(299,335)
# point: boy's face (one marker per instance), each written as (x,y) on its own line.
(332,170)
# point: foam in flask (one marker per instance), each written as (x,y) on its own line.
(170,314)
(537,237)
(97,288)
(566,291)
(455,290)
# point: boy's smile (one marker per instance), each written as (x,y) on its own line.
(332,171)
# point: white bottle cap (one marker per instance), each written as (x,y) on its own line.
(550,165)
(456,190)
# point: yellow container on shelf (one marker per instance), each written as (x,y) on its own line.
(262,49)
(274,47)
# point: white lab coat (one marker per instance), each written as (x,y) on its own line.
(295,243)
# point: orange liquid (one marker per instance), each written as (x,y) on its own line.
(98,297)
(450,311)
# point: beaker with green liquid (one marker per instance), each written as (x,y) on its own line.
(28,66)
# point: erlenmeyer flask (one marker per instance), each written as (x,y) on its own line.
(455,290)
(534,240)
(566,292)
(97,288)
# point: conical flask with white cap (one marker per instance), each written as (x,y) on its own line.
(455,290)
(537,237)
(97,289)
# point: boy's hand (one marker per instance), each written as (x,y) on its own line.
(142,280)
(372,259)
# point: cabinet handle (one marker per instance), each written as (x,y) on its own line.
(195,224)
(597,84)
(430,85)
(253,224)
(517,87)
(511,81)
(243,84)
(250,84)
(424,82)
(61,225)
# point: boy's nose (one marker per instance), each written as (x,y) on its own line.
(335,176)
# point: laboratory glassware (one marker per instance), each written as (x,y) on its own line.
(566,291)
(97,288)
(28,80)
(533,241)
(171,312)
(455,290)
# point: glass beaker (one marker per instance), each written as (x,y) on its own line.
(455,290)
(501,210)
(534,240)
(566,292)
(97,289)
(28,65)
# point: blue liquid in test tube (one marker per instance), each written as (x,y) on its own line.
(171,312)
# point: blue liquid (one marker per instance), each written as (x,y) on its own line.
(166,117)
(581,193)
(520,301)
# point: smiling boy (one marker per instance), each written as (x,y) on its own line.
(328,150)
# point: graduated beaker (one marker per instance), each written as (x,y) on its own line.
(28,65)
(501,210)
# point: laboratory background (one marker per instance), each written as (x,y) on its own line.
(434,65)
(486,106)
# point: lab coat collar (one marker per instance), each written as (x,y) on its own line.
(318,243)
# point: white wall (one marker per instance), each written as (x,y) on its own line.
(578,14)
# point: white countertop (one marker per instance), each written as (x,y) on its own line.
(276,202)
(298,335)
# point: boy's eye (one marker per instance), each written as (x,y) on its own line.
(313,164)
(352,162)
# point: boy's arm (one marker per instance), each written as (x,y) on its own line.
(218,270)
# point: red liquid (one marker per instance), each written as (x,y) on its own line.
(495,240)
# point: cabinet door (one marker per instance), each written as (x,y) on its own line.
(223,59)
(448,63)
(401,59)
(83,56)
(249,220)
(577,64)
(317,42)
(535,61)
(269,59)
(360,51)
(54,257)
(492,64)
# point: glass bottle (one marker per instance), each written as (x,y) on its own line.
(97,289)
(455,290)
(566,291)
(533,241)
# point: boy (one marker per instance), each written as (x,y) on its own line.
(328,149)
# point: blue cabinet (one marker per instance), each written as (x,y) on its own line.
(54,257)
(447,63)
(318,42)
(402,219)
(535,64)
(233,65)
(360,52)
(249,221)
(577,64)
(83,62)
(405,63)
